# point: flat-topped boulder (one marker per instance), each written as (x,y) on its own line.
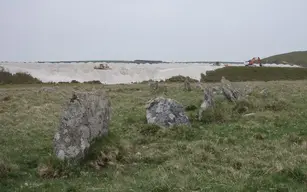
(165,112)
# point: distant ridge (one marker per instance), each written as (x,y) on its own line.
(295,57)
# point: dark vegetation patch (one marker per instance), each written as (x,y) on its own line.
(74,81)
(77,82)
(191,108)
(174,79)
(17,78)
(93,82)
(180,78)
(5,169)
(237,74)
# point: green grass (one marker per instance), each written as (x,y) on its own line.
(255,74)
(296,57)
(223,152)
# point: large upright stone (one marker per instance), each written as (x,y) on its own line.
(207,103)
(230,92)
(85,118)
(165,113)
(187,85)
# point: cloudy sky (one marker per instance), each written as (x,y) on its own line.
(150,29)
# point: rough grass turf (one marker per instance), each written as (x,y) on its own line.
(255,74)
(223,152)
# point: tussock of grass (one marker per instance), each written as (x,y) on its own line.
(149,129)
(5,169)
(191,107)
(223,152)
(52,168)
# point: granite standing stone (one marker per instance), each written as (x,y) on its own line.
(85,117)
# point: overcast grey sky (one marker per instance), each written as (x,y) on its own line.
(150,29)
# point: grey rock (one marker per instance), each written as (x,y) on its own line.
(199,86)
(208,97)
(157,88)
(165,113)
(249,114)
(154,85)
(264,92)
(85,118)
(248,90)
(48,89)
(217,90)
(230,92)
(207,103)
(187,85)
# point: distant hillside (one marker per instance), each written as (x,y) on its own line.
(297,57)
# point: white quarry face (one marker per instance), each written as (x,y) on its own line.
(119,72)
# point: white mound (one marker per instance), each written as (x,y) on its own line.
(119,73)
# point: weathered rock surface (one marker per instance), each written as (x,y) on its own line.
(154,85)
(48,89)
(264,92)
(229,91)
(157,87)
(199,86)
(85,118)
(207,103)
(187,85)
(165,113)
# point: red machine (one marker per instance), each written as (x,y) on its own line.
(255,60)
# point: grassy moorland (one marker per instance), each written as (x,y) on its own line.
(296,57)
(223,152)
(255,74)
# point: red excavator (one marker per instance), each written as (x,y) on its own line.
(255,60)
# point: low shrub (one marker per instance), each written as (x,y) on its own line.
(74,81)
(93,82)
(180,78)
